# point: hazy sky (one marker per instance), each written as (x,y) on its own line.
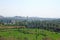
(39,8)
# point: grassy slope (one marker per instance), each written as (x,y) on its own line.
(28,34)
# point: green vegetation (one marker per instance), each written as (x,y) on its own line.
(28,34)
(47,25)
(29,30)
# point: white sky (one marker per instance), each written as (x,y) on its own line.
(39,8)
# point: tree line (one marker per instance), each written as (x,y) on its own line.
(48,25)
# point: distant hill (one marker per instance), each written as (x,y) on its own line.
(1,16)
(20,18)
(25,18)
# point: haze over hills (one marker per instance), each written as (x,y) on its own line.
(25,18)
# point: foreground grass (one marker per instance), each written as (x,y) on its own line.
(28,34)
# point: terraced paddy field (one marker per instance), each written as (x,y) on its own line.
(27,34)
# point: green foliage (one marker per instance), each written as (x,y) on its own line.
(47,25)
(29,34)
